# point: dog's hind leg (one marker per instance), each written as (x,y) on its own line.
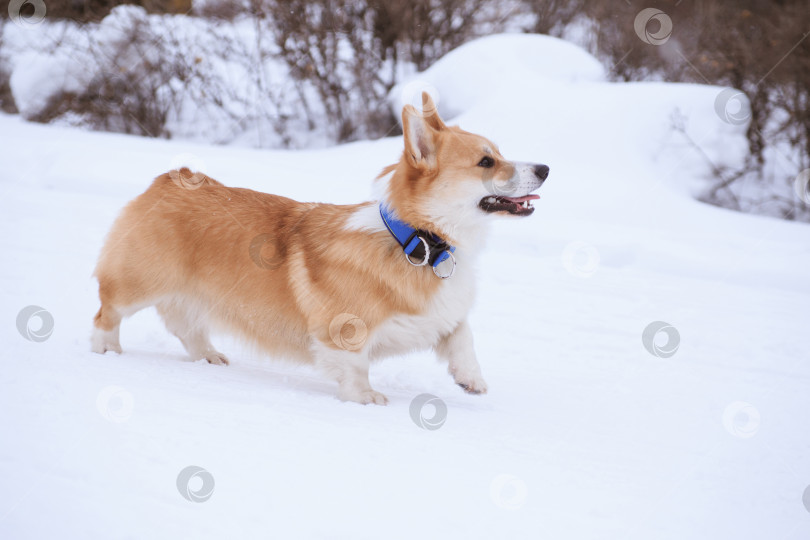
(187,323)
(119,299)
(106,323)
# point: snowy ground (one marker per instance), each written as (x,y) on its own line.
(584,434)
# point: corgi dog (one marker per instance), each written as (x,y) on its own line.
(336,286)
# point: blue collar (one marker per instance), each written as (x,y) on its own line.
(423,245)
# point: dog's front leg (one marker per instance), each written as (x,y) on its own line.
(457,349)
(350,370)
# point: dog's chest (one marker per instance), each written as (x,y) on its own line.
(450,306)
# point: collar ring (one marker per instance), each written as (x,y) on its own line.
(424,261)
(452,270)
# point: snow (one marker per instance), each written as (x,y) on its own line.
(472,72)
(584,433)
(41,79)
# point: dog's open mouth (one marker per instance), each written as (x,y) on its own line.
(518,206)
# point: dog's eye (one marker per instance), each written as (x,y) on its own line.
(486,162)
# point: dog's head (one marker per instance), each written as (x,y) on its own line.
(449,179)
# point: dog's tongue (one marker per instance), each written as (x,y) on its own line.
(518,200)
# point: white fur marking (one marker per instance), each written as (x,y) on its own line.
(103,341)
(448,308)
(366,218)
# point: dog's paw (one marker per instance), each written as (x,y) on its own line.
(103,348)
(217,358)
(472,385)
(102,342)
(364,397)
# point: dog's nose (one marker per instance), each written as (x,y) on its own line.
(541,171)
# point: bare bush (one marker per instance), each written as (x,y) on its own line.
(7,104)
(221,10)
(330,44)
(350,50)
(422,31)
(135,83)
(553,16)
(95,10)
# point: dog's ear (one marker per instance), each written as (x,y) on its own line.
(420,139)
(431,112)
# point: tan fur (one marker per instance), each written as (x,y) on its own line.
(283,274)
(176,242)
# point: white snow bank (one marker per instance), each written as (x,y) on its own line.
(471,73)
(38,77)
